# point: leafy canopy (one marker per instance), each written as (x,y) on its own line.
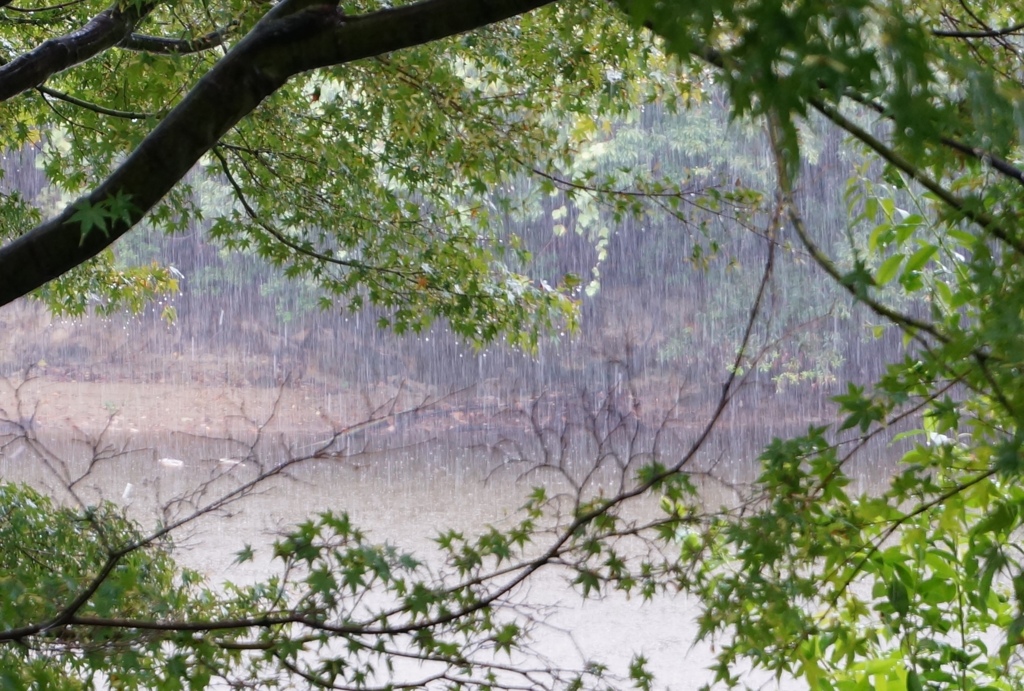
(392,180)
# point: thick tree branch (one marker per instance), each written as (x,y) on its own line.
(295,36)
(106,29)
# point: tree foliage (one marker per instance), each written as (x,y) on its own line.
(904,587)
(369,181)
(62,565)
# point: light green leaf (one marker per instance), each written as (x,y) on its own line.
(888,270)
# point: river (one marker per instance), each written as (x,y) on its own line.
(403,487)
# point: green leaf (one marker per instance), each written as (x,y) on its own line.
(245,554)
(1000,518)
(898,597)
(888,270)
(90,216)
(920,258)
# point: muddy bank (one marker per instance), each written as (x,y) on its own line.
(49,404)
(141,375)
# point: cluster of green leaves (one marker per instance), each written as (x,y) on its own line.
(781,59)
(911,588)
(54,555)
(410,166)
(105,286)
(88,599)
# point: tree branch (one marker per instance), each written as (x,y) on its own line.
(986,33)
(94,107)
(172,46)
(296,247)
(784,181)
(998,163)
(890,156)
(295,36)
(106,29)
(715,59)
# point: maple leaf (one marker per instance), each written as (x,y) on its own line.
(120,207)
(90,216)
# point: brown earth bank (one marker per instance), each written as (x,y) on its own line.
(139,375)
(51,405)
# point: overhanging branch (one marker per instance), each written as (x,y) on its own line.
(295,36)
(989,158)
(31,69)
(893,158)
